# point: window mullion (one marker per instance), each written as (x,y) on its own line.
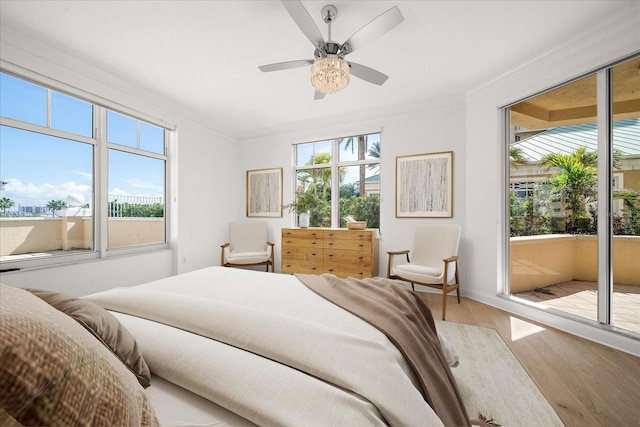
(605,179)
(48,108)
(101,182)
(335,184)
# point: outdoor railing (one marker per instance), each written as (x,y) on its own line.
(543,260)
(37,234)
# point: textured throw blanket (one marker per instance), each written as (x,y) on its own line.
(407,321)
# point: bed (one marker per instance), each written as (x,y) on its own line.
(237,347)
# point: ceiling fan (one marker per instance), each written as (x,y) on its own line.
(329,70)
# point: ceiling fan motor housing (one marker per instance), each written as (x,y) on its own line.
(328,48)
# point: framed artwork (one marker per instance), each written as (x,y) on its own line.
(264,192)
(424,185)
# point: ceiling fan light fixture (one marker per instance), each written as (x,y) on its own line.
(330,74)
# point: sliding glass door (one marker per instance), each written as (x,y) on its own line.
(574,190)
(625,190)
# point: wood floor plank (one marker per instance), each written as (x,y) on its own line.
(586,383)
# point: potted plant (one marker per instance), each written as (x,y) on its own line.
(302,204)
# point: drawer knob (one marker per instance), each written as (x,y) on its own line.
(313,268)
(330,255)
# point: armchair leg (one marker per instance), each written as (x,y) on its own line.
(444,303)
(413,287)
(458,283)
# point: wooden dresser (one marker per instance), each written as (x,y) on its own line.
(345,253)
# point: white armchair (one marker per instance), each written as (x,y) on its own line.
(434,260)
(248,245)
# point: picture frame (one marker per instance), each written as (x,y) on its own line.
(424,185)
(264,193)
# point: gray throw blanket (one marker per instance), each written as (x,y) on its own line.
(407,321)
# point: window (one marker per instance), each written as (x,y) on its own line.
(350,164)
(78,179)
(136,181)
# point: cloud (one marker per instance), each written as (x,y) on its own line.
(86,175)
(145,185)
(40,194)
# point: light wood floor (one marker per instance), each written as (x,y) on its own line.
(586,383)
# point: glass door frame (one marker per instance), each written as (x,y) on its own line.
(604,92)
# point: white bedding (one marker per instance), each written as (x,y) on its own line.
(178,407)
(280,354)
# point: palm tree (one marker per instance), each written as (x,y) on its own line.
(631,201)
(576,179)
(516,156)
(5,204)
(56,205)
(374,151)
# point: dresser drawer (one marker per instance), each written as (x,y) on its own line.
(348,245)
(301,233)
(301,267)
(297,254)
(300,242)
(354,235)
(336,256)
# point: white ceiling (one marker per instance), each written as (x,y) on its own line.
(203,56)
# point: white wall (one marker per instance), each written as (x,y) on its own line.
(211,186)
(206,182)
(612,41)
(439,126)
(209,183)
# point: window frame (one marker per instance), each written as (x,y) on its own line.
(100,106)
(334,165)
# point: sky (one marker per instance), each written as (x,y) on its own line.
(38,168)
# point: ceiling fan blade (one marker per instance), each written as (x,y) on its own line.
(374,29)
(301,17)
(318,95)
(285,65)
(369,74)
